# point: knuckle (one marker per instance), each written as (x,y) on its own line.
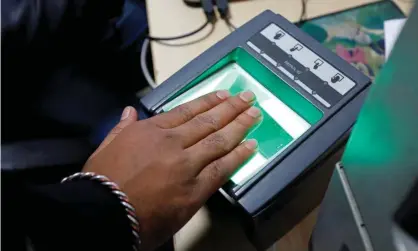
(184,160)
(244,120)
(233,106)
(205,120)
(169,163)
(177,159)
(160,121)
(215,170)
(209,100)
(185,112)
(170,135)
(217,141)
(240,153)
(193,184)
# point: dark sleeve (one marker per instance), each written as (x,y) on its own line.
(78,215)
(42,24)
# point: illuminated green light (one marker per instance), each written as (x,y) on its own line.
(286,114)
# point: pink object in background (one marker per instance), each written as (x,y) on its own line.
(355,55)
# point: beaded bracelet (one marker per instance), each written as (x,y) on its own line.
(114,188)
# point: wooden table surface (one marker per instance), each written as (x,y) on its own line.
(172,17)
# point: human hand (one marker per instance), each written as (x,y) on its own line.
(170,164)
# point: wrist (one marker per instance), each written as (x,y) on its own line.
(121,196)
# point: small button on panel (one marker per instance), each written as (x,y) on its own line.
(307,69)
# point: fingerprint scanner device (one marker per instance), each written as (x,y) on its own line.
(309,99)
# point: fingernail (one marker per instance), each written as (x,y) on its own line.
(222,94)
(251,144)
(254,112)
(125,113)
(247,96)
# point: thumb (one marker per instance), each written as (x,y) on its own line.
(128,117)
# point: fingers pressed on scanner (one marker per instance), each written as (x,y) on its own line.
(222,142)
(219,171)
(214,119)
(128,117)
(189,110)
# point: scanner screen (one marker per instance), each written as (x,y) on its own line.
(278,128)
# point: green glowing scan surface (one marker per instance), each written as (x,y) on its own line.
(286,114)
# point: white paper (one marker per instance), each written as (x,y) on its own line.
(392,30)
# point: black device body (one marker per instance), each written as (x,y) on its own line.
(291,185)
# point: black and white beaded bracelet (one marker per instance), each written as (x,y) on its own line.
(114,188)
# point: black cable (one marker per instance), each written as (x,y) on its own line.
(181,36)
(196,39)
(303,13)
(145,47)
(144,67)
(231,28)
(230,25)
(208,9)
(223,9)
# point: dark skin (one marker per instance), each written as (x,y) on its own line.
(169,165)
